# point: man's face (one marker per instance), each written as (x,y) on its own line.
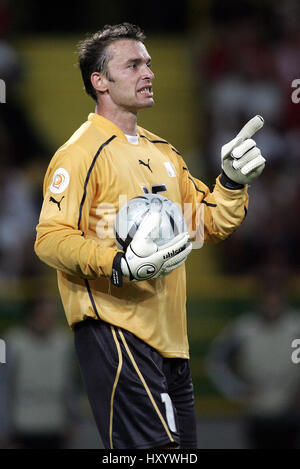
(129,68)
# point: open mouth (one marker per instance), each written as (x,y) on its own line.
(147,90)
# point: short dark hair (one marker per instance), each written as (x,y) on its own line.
(92,56)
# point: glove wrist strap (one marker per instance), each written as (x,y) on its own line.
(229,183)
(116,276)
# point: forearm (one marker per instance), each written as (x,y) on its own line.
(68,251)
(225,212)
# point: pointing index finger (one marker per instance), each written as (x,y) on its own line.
(249,129)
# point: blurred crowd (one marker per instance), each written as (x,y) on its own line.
(38,389)
(22,151)
(248,61)
(250,364)
(40,386)
(246,65)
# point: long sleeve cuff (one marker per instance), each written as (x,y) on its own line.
(228,183)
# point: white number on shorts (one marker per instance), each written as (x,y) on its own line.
(169,411)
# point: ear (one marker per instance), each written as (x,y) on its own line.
(99,82)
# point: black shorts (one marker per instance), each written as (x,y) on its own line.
(139,398)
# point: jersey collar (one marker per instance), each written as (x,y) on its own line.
(107,125)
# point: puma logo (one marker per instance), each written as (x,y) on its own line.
(58,202)
(146,164)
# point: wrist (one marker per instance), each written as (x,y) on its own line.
(229,183)
(117,272)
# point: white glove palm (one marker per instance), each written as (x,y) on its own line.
(242,161)
(144,259)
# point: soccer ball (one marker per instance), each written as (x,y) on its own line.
(131,214)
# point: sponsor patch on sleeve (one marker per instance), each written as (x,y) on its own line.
(60,182)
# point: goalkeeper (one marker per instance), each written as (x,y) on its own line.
(131,336)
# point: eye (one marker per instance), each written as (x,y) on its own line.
(132,66)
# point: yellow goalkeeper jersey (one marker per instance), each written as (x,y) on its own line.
(95,172)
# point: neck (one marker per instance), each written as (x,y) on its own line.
(124,119)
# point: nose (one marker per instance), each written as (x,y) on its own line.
(147,73)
